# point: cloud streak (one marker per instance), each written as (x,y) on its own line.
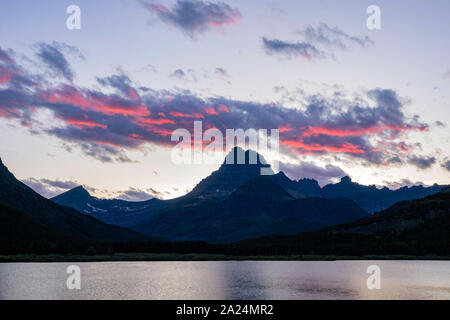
(291,49)
(316,43)
(334,38)
(52,55)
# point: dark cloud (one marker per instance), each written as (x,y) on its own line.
(421,162)
(370,126)
(440,124)
(179,74)
(291,49)
(5,57)
(15,76)
(120,82)
(60,184)
(323,175)
(54,58)
(317,42)
(49,188)
(104,153)
(446,165)
(395,160)
(193,17)
(188,75)
(333,37)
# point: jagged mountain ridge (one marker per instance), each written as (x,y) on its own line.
(111,211)
(229,177)
(258,207)
(371,198)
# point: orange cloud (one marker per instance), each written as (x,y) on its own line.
(222,108)
(185,115)
(211,111)
(344,148)
(156,121)
(85,124)
(105,104)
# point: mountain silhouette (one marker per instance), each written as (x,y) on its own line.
(258,207)
(112,211)
(412,227)
(230,175)
(236,202)
(24,209)
(302,188)
(373,199)
(260,188)
(370,198)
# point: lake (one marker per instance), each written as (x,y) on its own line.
(227,280)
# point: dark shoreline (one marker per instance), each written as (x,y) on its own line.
(200,257)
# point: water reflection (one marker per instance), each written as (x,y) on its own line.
(228,280)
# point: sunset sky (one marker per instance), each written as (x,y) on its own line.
(97,106)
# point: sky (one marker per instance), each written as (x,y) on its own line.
(96,106)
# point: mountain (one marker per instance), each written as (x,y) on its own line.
(373,199)
(258,207)
(424,215)
(224,181)
(260,188)
(302,188)
(236,202)
(230,175)
(16,225)
(111,211)
(413,227)
(23,209)
(370,198)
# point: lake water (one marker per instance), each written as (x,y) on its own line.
(227,280)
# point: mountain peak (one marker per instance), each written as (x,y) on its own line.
(346,179)
(4,172)
(79,189)
(282,174)
(2,166)
(239,156)
(78,192)
(238,167)
(308,181)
